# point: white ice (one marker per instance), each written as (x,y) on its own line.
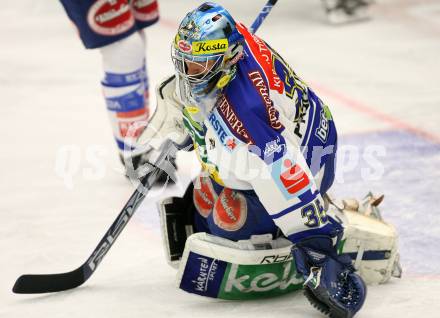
(381,79)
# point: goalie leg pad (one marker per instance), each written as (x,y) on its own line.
(371,242)
(220,268)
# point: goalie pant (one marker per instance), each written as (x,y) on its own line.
(115,27)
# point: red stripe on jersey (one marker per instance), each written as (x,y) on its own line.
(264,57)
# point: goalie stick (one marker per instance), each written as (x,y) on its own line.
(262,15)
(47,283)
(34,284)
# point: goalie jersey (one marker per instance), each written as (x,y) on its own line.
(268,147)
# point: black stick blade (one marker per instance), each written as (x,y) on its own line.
(37,284)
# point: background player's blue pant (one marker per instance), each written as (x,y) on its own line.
(102,22)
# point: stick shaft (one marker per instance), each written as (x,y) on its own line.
(262,15)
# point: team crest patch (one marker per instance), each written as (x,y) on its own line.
(110,17)
(230,211)
(145,10)
(204,196)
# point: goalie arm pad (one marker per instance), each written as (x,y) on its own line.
(166,122)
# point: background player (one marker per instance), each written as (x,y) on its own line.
(343,11)
(267,147)
(115,27)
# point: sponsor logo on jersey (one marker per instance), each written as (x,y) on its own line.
(218,127)
(222,132)
(204,196)
(145,10)
(184,46)
(110,17)
(209,47)
(290,178)
(322,131)
(273,147)
(301,112)
(230,210)
(294,179)
(235,124)
(230,143)
(260,86)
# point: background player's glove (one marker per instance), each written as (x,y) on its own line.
(330,284)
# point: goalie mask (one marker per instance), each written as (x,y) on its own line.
(204,52)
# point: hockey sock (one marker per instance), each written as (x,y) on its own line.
(125,89)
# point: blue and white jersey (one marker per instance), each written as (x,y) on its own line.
(269,132)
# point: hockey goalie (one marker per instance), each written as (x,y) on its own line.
(258,220)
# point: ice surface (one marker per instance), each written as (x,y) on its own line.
(381,79)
